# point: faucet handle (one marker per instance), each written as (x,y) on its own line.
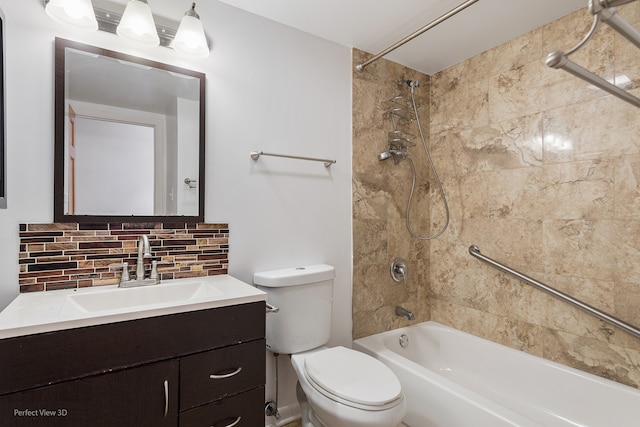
(398,270)
(154,268)
(125,270)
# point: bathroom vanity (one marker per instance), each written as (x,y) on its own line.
(196,363)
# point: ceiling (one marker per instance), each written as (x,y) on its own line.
(373,26)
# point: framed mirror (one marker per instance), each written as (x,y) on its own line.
(129,138)
(3,144)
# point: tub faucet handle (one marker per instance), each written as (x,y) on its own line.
(398,269)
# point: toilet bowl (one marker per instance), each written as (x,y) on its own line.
(337,386)
(346,388)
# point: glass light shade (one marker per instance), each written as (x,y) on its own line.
(190,38)
(78,13)
(137,24)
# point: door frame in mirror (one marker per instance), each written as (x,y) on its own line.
(60,141)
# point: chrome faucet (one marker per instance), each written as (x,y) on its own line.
(404,313)
(143,252)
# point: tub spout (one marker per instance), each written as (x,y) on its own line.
(404,312)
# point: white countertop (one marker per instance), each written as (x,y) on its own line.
(38,312)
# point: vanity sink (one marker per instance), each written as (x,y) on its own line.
(124,298)
(39,312)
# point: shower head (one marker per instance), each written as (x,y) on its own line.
(392,153)
(385,155)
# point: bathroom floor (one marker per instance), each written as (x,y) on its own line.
(297,424)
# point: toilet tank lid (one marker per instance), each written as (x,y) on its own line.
(294,276)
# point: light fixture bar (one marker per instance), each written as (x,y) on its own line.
(108,21)
(187,36)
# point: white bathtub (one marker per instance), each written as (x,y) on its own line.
(453,379)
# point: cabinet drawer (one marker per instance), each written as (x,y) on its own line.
(212,375)
(242,410)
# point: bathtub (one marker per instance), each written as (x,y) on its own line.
(453,379)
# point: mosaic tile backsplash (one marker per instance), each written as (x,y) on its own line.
(70,255)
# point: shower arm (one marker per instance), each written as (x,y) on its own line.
(430,25)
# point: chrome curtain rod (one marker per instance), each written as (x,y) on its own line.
(255,155)
(430,25)
(602,10)
(475,251)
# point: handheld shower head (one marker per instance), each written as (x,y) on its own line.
(413,83)
(385,155)
(395,154)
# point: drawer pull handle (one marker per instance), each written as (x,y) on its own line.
(166,397)
(223,376)
(235,423)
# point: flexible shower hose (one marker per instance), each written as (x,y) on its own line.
(435,175)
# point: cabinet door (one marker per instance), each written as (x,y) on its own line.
(137,397)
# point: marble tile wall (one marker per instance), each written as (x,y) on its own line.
(380,194)
(542,172)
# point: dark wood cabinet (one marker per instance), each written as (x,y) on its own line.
(146,396)
(198,368)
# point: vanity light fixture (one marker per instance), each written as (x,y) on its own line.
(137,24)
(78,13)
(190,37)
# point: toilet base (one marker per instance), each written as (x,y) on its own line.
(307,412)
(320,411)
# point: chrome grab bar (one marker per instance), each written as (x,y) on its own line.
(475,251)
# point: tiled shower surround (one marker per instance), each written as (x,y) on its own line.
(380,192)
(70,255)
(542,172)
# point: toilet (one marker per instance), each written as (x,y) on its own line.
(337,386)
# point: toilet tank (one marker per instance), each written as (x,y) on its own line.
(304,297)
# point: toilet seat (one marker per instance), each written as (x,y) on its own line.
(353,378)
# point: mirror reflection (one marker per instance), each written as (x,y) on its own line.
(129,137)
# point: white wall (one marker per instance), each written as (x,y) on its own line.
(269,87)
(186,159)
